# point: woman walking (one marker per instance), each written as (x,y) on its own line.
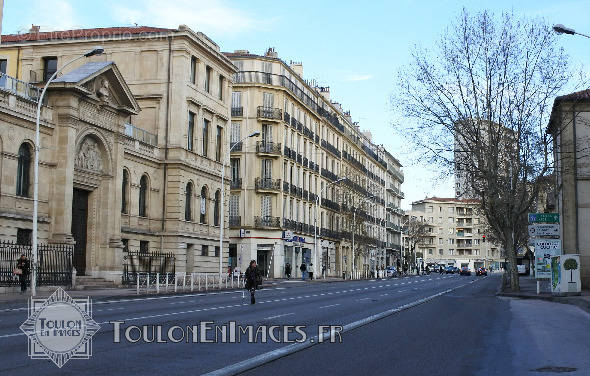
(23,268)
(253,280)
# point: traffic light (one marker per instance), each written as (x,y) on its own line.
(483,238)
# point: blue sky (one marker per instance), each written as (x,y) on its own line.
(354,47)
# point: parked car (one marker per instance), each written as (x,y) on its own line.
(391,271)
(465,271)
(450,270)
(481,271)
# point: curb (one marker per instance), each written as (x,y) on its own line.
(572,300)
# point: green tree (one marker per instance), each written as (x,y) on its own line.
(571,265)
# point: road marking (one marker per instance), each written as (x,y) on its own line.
(274,317)
(331,305)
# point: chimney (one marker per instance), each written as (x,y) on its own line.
(271,53)
(34,29)
(324,92)
(297,66)
(242,52)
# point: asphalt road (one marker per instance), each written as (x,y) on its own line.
(446,325)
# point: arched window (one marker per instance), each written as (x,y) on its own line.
(203,205)
(188,197)
(125,192)
(143,190)
(23,170)
(216,209)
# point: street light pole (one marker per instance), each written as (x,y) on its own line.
(315,223)
(221,214)
(560,29)
(95,51)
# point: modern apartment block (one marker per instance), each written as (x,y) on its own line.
(456,233)
(307,145)
(132,144)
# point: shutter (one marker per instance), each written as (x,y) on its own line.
(234,205)
(265,207)
(268,100)
(235,132)
(236,99)
(267,168)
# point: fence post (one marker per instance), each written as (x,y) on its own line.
(239,280)
(166,282)
(232,281)
(137,275)
(206,281)
(175,282)
(157,283)
(184,281)
(199,282)
(74,272)
(192,282)
(147,284)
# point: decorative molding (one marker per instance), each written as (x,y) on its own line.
(89,156)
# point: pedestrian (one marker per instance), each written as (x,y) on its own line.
(253,280)
(288,271)
(23,268)
(310,272)
(303,268)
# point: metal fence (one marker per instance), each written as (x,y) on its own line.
(55,263)
(142,263)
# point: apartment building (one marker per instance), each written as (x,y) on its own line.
(394,215)
(310,172)
(132,144)
(456,234)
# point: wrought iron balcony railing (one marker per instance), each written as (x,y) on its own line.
(268,147)
(235,183)
(269,113)
(237,111)
(267,222)
(267,184)
(235,221)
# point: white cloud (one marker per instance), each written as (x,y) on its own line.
(357,77)
(208,16)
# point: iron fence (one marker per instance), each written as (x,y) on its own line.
(136,263)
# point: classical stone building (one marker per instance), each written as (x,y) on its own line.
(307,144)
(456,233)
(569,127)
(132,144)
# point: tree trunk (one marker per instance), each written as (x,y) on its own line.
(511,253)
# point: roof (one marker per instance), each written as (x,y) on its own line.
(578,96)
(451,199)
(83,33)
(83,72)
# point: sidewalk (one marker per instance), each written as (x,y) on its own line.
(528,290)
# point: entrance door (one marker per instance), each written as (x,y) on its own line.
(262,260)
(79,223)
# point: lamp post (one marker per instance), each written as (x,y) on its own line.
(354,228)
(222,216)
(315,222)
(560,29)
(96,51)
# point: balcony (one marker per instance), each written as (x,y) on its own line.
(269,113)
(285,187)
(286,151)
(235,221)
(330,204)
(331,148)
(235,183)
(19,88)
(268,147)
(267,184)
(287,117)
(141,135)
(329,175)
(305,162)
(237,111)
(267,222)
(235,146)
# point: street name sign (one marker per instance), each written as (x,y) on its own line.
(543,217)
(547,245)
(544,230)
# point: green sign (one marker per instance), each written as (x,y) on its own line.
(544,217)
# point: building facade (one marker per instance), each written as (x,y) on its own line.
(311,172)
(131,144)
(456,234)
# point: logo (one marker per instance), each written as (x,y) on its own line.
(60,328)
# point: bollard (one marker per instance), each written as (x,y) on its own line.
(175,282)
(239,280)
(137,276)
(232,281)
(166,282)
(226,282)
(147,284)
(199,281)
(192,282)
(157,283)
(184,281)
(206,282)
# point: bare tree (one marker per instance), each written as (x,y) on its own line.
(416,232)
(480,105)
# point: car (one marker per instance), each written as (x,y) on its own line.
(465,271)
(391,271)
(450,270)
(481,271)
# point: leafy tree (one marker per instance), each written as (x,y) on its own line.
(571,265)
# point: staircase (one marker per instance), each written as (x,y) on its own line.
(93,283)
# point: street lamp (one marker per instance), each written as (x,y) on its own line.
(222,219)
(560,29)
(95,51)
(315,223)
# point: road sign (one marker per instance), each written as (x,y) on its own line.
(544,230)
(543,217)
(547,245)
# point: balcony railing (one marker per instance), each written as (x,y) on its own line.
(141,134)
(19,88)
(269,113)
(267,222)
(330,204)
(235,221)
(235,183)
(286,117)
(235,146)
(268,147)
(329,175)
(331,148)
(237,111)
(267,184)
(285,187)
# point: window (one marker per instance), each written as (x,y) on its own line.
(205,137)
(193,70)
(203,218)
(208,79)
(440,251)
(451,251)
(23,172)
(234,205)
(3,63)
(144,246)
(268,100)
(216,208)
(451,241)
(216,251)
(125,245)
(221,87)
(205,250)
(265,208)
(266,169)
(143,187)
(430,251)
(235,170)
(49,67)
(23,236)
(124,191)
(440,240)
(188,198)
(191,131)
(218,144)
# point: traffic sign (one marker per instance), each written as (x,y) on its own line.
(547,245)
(544,230)
(544,217)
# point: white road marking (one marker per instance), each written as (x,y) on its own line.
(331,305)
(274,317)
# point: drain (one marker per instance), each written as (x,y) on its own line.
(555,369)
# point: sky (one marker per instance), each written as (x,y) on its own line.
(355,47)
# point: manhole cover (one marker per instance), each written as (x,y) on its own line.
(555,369)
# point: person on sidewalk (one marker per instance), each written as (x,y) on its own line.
(303,268)
(24,265)
(288,271)
(253,280)
(310,272)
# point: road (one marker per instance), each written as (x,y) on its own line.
(442,324)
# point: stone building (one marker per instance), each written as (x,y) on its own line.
(307,144)
(131,144)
